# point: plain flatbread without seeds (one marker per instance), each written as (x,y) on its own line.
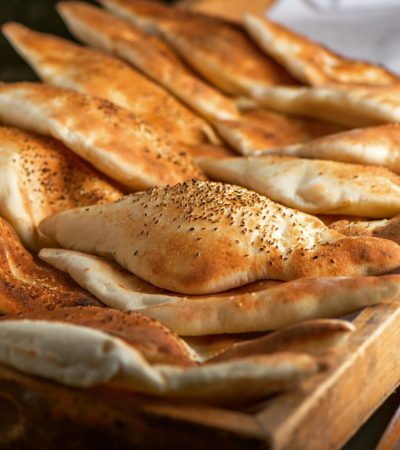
(377,146)
(220,51)
(352,106)
(260,306)
(121,145)
(310,62)
(259,129)
(39,176)
(201,237)
(65,64)
(313,186)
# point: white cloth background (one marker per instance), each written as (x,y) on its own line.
(364,29)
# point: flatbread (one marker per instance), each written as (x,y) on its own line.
(257,307)
(202,237)
(385,228)
(65,64)
(86,356)
(309,61)
(316,337)
(39,176)
(27,284)
(313,186)
(149,54)
(219,50)
(155,342)
(352,106)
(259,129)
(378,146)
(198,152)
(119,144)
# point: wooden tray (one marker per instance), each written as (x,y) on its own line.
(321,414)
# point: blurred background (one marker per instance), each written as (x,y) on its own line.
(366,29)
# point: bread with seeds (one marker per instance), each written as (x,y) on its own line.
(313,186)
(66,64)
(260,306)
(39,176)
(385,228)
(149,54)
(27,284)
(96,346)
(200,237)
(123,146)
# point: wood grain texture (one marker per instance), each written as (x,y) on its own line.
(320,415)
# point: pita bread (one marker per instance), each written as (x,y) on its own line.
(219,50)
(153,57)
(310,62)
(385,228)
(259,129)
(315,337)
(65,64)
(201,237)
(227,9)
(128,149)
(39,177)
(29,285)
(352,106)
(378,146)
(84,356)
(198,152)
(261,306)
(313,186)
(155,342)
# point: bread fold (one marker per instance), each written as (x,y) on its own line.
(65,64)
(261,306)
(149,54)
(121,145)
(309,61)
(313,186)
(86,356)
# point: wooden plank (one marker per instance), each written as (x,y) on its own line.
(320,415)
(331,407)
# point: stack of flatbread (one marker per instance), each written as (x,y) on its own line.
(168,198)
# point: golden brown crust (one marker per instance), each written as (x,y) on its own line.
(219,50)
(313,186)
(29,285)
(378,146)
(201,237)
(157,343)
(385,229)
(314,336)
(197,152)
(149,54)
(260,129)
(311,62)
(120,144)
(66,64)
